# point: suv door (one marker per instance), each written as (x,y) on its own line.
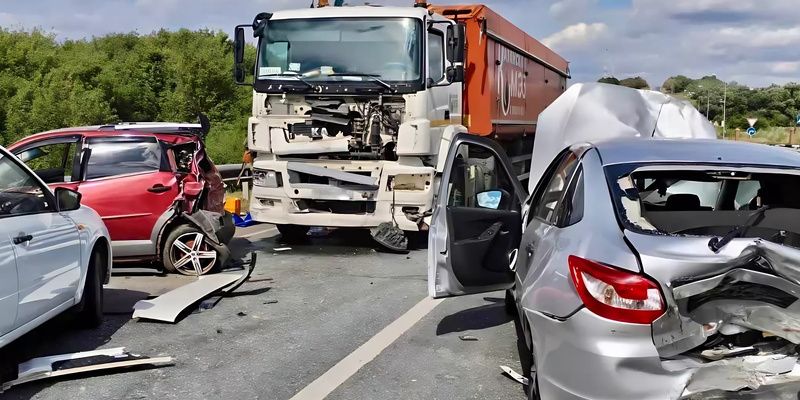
(45,242)
(129,182)
(477,225)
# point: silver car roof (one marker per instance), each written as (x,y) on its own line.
(695,151)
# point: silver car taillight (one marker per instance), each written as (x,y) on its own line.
(616,294)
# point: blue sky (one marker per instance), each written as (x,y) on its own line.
(753,42)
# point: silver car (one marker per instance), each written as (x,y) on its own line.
(639,269)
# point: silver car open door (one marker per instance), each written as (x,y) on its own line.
(477,224)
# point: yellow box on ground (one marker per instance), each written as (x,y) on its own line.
(233,205)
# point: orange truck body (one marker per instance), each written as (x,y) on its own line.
(510,77)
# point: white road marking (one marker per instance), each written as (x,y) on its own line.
(272,230)
(349,365)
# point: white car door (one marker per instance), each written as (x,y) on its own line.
(477,227)
(8,282)
(44,241)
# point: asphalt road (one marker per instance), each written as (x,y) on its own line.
(333,295)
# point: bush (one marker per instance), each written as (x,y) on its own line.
(163,76)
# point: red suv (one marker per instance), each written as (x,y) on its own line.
(155,188)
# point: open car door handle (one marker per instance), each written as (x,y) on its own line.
(23,239)
(159,188)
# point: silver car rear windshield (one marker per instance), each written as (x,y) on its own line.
(707,200)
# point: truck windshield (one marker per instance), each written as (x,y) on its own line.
(315,49)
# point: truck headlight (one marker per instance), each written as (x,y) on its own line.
(267,178)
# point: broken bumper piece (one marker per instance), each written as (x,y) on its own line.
(79,363)
(170,305)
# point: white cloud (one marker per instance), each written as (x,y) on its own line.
(756,36)
(785,67)
(578,35)
(571,10)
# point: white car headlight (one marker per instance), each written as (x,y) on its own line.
(267,178)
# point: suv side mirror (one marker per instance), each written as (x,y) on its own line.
(67,199)
(456,51)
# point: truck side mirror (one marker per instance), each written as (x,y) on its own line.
(456,52)
(238,74)
(238,55)
(456,43)
(238,46)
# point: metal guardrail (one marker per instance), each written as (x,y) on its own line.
(230,172)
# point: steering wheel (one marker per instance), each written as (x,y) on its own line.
(7,207)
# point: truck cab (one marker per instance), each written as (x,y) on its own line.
(354,109)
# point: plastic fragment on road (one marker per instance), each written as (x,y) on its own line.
(514,375)
(80,363)
(280,249)
(170,305)
(468,338)
(243,222)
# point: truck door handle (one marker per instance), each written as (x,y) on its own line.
(23,239)
(159,188)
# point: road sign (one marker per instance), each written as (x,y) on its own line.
(751,131)
(752,121)
(798,120)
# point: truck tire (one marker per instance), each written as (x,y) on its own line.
(172,253)
(293,234)
(90,308)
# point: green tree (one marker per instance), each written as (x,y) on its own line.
(635,83)
(609,80)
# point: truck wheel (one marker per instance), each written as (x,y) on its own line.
(90,308)
(187,250)
(293,234)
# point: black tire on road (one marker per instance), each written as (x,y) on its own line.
(294,234)
(168,256)
(90,308)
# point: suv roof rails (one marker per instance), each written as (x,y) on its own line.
(160,127)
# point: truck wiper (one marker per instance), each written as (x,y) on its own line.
(372,76)
(290,75)
(717,243)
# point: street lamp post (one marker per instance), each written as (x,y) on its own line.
(724,110)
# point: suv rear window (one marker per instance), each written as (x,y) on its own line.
(122,156)
(694,200)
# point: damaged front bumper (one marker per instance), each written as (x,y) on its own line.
(344,193)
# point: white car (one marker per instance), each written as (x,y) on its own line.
(54,253)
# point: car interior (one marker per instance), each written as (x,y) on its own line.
(714,202)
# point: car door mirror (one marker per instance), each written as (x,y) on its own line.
(67,199)
(489,199)
(493,199)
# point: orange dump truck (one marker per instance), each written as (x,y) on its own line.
(354,107)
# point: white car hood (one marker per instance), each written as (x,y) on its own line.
(589,112)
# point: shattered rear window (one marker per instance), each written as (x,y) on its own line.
(695,200)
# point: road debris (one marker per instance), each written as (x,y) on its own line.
(241,314)
(468,338)
(270,301)
(83,362)
(170,305)
(280,249)
(514,375)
